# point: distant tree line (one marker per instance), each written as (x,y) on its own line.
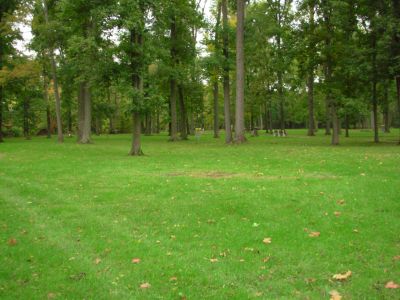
(146,66)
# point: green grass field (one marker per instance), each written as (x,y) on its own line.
(72,218)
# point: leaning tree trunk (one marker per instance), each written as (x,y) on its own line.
(239,122)
(227,89)
(173,84)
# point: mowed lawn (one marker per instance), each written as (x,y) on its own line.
(73,217)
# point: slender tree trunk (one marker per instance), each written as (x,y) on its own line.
(239,120)
(173,84)
(183,119)
(1,110)
(60,136)
(398,96)
(84,113)
(327,117)
(347,126)
(216,117)
(386,117)
(26,119)
(137,85)
(310,84)
(227,89)
(374,91)
(46,99)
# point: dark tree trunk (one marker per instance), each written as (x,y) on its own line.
(240,74)
(215,85)
(398,96)
(227,89)
(46,100)
(310,84)
(347,126)
(327,117)
(183,119)
(386,117)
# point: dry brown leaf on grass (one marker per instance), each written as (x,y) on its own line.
(173,279)
(214,260)
(97,261)
(314,234)
(12,242)
(267,241)
(343,276)
(145,285)
(337,213)
(335,295)
(135,260)
(397,257)
(392,285)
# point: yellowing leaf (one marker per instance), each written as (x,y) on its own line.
(335,295)
(337,213)
(214,260)
(173,279)
(97,261)
(135,260)
(314,234)
(267,241)
(392,285)
(342,276)
(145,285)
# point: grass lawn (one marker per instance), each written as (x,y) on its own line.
(72,218)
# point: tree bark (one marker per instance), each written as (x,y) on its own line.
(183,119)
(173,84)
(1,110)
(310,84)
(240,72)
(374,91)
(137,85)
(226,81)
(386,116)
(60,136)
(46,100)
(26,118)
(216,117)
(347,126)
(398,96)
(84,113)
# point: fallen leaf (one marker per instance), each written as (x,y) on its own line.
(51,296)
(12,242)
(97,261)
(337,213)
(355,230)
(214,260)
(267,241)
(135,260)
(340,202)
(173,279)
(258,294)
(335,295)
(311,280)
(241,260)
(266,259)
(256,224)
(392,285)
(342,276)
(314,234)
(397,257)
(145,285)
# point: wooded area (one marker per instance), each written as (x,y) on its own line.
(146,66)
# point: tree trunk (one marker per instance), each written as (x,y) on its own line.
(327,117)
(46,100)
(398,96)
(1,110)
(374,91)
(347,126)
(173,84)
(137,85)
(60,136)
(227,89)
(240,71)
(216,117)
(386,116)
(183,119)
(310,84)
(26,119)
(84,114)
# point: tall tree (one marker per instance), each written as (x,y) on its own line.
(226,67)
(240,73)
